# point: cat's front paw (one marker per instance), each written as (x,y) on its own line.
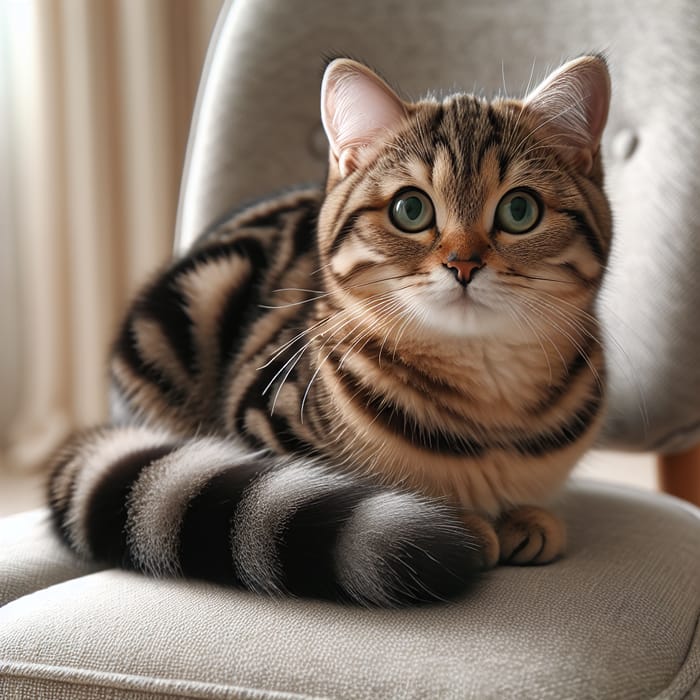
(529,535)
(485,539)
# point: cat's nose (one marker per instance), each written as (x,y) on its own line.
(464,270)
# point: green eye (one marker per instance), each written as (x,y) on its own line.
(517,212)
(411,211)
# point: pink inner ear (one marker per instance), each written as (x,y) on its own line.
(575,100)
(357,108)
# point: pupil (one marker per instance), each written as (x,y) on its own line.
(518,208)
(413,208)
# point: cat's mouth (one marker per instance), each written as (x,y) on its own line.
(466,294)
(460,295)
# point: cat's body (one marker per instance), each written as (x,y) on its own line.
(422,374)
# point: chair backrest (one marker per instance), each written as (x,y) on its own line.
(257,128)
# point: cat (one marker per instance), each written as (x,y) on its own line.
(366,392)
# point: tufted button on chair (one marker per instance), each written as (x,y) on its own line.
(618,616)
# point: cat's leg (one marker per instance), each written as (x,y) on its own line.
(485,536)
(530,535)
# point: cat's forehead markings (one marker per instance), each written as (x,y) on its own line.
(437,182)
(489,174)
(419,172)
(409,173)
(442,174)
(522,173)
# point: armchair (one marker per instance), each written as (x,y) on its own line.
(618,616)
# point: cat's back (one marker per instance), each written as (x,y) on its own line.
(207,315)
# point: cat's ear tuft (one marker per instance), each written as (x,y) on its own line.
(359,110)
(573,102)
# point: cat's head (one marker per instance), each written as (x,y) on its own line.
(461,216)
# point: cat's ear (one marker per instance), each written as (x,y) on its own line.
(573,102)
(358,110)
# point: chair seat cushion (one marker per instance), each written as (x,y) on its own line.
(30,558)
(616,618)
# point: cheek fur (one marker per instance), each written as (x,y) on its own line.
(354,256)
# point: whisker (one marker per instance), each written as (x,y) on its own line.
(518,316)
(375,305)
(543,309)
(290,304)
(293,364)
(320,269)
(326,319)
(539,279)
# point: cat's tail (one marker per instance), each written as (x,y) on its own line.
(207,508)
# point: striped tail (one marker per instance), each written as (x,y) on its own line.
(207,508)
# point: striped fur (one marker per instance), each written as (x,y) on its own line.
(315,402)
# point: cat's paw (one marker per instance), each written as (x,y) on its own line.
(485,538)
(530,535)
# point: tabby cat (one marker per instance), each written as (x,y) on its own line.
(363,393)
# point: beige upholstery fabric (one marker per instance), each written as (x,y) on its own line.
(258,129)
(617,618)
(30,558)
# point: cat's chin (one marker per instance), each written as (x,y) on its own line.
(451,311)
(459,315)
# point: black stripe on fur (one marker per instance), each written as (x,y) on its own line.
(165,304)
(423,554)
(565,434)
(307,547)
(107,508)
(399,422)
(59,508)
(205,533)
(589,234)
(126,347)
(347,226)
(305,232)
(433,566)
(580,362)
(241,306)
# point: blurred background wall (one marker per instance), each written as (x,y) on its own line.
(95,104)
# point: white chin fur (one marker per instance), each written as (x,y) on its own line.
(447,308)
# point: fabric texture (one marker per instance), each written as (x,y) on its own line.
(616,618)
(257,129)
(30,558)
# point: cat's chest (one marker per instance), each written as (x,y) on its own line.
(458,391)
(471,431)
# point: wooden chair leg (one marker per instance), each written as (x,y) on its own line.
(679,474)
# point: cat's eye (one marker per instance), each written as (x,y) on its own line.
(411,211)
(517,212)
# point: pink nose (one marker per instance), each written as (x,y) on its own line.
(464,269)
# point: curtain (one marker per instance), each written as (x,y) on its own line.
(95,102)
